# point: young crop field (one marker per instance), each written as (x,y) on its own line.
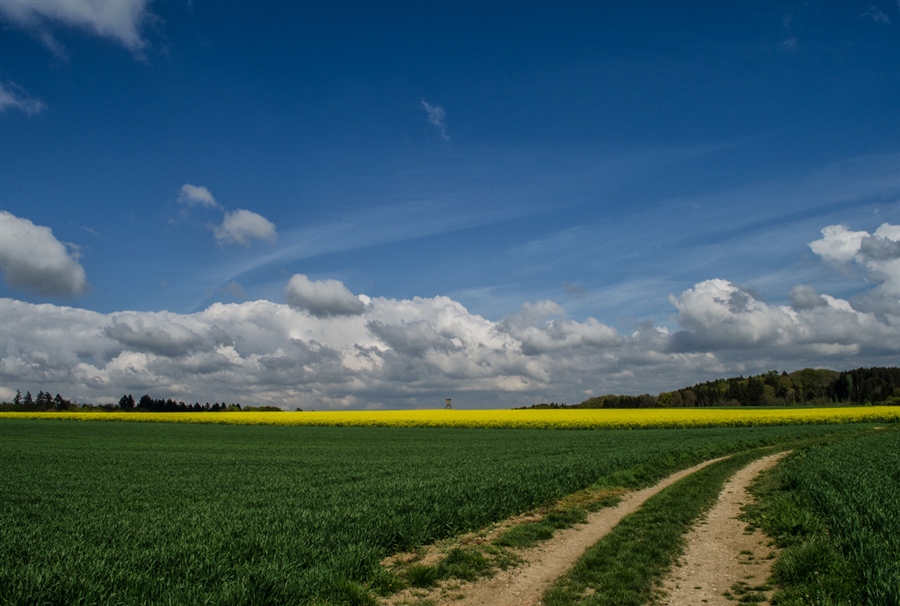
(836,508)
(170,513)
(510,419)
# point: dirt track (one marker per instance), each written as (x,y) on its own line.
(524,585)
(720,553)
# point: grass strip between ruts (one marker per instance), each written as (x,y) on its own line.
(627,565)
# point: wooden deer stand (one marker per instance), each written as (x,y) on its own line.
(447,404)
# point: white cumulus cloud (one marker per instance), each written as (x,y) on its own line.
(121,22)
(804,296)
(237,227)
(241,226)
(32,259)
(719,316)
(878,254)
(196,195)
(160,334)
(322,298)
(838,244)
(540,329)
(718,313)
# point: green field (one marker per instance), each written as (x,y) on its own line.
(122,513)
(836,510)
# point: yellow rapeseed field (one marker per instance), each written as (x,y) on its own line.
(533,419)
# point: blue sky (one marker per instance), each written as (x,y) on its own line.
(577,189)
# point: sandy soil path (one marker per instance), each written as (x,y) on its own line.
(525,584)
(720,552)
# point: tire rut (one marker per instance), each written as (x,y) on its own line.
(721,555)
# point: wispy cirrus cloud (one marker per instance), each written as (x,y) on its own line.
(13,96)
(790,41)
(437,117)
(877,15)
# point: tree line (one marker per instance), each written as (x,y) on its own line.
(810,386)
(44,402)
(149,404)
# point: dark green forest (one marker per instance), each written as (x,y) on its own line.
(44,402)
(807,387)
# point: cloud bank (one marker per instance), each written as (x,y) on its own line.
(32,259)
(329,348)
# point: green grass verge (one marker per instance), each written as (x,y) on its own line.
(463,564)
(835,510)
(530,534)
(625,566)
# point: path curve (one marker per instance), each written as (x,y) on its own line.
(720,552)
(525,585)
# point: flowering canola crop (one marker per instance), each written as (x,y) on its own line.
(529,419)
